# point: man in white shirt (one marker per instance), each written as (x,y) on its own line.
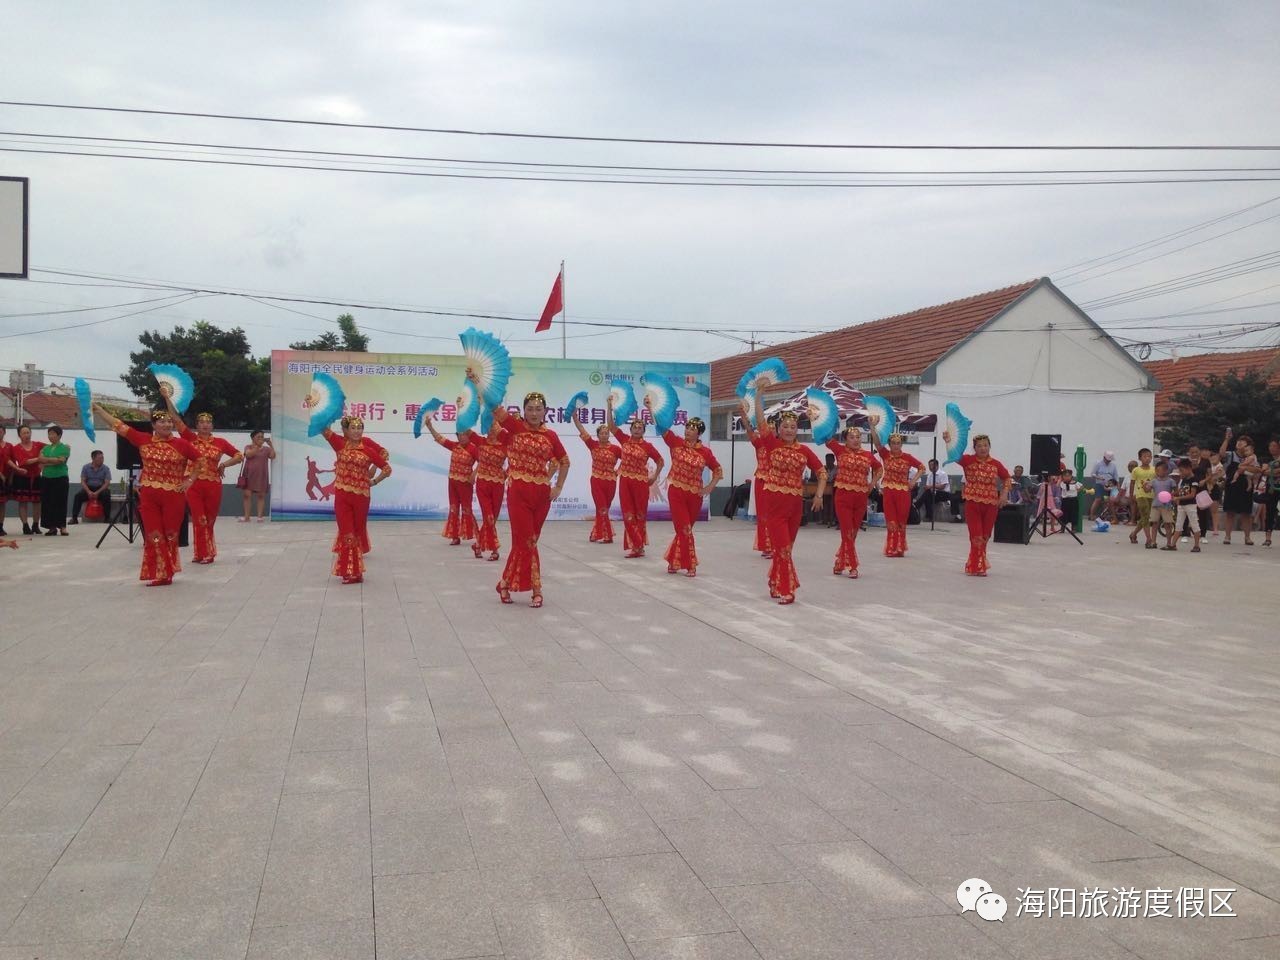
(934,487)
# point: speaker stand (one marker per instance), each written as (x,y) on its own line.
(1040,525)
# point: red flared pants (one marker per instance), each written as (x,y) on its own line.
(897,505)
(351,511)
(851,507)
(527,508)
(161,512)
(602,492)
(981,521)
(489,494)
(758,497)
(461,524)
(685,507)
(204,497)
(634,496)
(785,511)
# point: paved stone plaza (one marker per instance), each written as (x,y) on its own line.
(258,762)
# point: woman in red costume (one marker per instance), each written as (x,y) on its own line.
(166,477)
(857,471)
(361,465)
(604,477)
(24,481)
(533,453)
(491,478)
(685,490)
(896,491)
(635,481)
(758,498)
(463,454)
(784,493)
(205,496)
(986,490)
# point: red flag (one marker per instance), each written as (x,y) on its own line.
(555,303)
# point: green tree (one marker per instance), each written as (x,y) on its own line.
(1246,403)
(351,340)
(230,382)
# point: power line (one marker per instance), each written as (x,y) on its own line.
(759,184)
(1159,240)
(105,306)
(70,140)
(668,141)
(1236,268)
(93,323)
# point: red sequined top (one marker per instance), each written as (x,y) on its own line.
(787,463)
(897,470)
(351,469)
(6,454)
(490,458)
(688,460)
(853,470)
(762,455)
(164,462)
(211,451)
(604,457)
(636,455)
(980,477)
(530,452)
(461,457)
(21,453)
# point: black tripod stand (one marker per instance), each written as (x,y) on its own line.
(1040,524)
(126,515)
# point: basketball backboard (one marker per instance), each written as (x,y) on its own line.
(13,227)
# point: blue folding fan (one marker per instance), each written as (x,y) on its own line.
(762,376)
(824,414)
(663,400)
(881,418)
(175,384)
(624,401)
(576,403)
(85,399)
(469,407)
(958,426)
(424,411)
(488,359)
(326,401)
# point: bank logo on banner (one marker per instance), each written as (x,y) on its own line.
(596,378)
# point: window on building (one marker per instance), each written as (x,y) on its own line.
(720,426)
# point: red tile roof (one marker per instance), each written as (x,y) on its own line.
(1176,375)
(42,409)
(903,345)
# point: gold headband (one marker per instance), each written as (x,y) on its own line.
(352,422)
(157,415)
(204,418)
(535,395)
(896,436)
(789,415)
(980,436)
(697,424)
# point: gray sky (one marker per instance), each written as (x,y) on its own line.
(696,257)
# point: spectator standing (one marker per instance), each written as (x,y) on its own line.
(255,474)
(1140,494)
(54,483)
(1273,489)
(95,484)
(1186,487)
(1237,497)
(1162,513)
(1217,477)
(6,465)
(25,480)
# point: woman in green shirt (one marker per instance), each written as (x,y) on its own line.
(54,484)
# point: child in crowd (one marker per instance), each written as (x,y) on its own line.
(1140,476)
(1070,492)
(1186,486)
(1162,513)
(1126,495)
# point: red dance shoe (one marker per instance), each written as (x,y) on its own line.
(789,599)
(504,594)
(535,601)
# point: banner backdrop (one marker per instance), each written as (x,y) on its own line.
(386,389)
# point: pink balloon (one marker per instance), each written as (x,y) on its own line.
(1164,496)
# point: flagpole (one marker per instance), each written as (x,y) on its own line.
(564,315)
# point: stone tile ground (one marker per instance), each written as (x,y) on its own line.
(259,762)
